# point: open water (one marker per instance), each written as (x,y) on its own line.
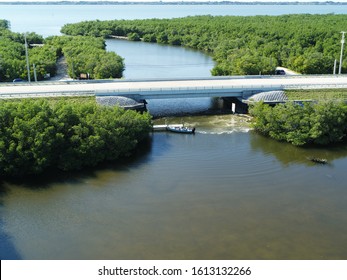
(223,193)
(48,19)
(152,61)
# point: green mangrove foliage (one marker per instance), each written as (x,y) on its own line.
(240,45)
(4,24)
(12,55)
(312,123)
(36,135)
(88,55)
(83,55)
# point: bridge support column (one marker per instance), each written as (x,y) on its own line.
(240,107)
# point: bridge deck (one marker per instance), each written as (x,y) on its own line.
(230,86)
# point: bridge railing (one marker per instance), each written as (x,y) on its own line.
(171,92)
(214,89)
(46,94)
(188,89)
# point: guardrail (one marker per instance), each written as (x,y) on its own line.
(170,92)
(45,94)
(186,89)
(179,79)
(212,89)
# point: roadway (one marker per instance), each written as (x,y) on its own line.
(204,87)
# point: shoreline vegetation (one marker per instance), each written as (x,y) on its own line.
(240,45)
(84,56)
(65,134)
(309,117)
(320,123)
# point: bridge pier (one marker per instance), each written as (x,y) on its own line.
(240,107)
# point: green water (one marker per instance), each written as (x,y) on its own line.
(223,193)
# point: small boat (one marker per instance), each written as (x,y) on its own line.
(181,129)
(318,160)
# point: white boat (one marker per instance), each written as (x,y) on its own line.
(181,129)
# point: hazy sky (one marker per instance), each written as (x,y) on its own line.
(183,0)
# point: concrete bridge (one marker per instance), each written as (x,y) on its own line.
(235,86)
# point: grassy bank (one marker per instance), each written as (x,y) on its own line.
(318,94)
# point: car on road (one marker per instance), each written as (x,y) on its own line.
(18,80)
(280,72)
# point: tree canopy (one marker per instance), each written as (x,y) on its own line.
(83,55)
(12,55)
(240,45)
(36,135)
(88,55)
(320,123)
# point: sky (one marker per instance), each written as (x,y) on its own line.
(343,1)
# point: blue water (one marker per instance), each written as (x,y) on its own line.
(48,19)
(150,60)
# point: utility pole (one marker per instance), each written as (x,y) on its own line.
(342,42)
(27,56)
(35,77)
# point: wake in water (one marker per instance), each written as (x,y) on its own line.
(214,124)
(245,130)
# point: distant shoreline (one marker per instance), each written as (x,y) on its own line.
(170,3)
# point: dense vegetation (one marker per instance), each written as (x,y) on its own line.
(83,55)
(88,55)
(36,135)
(240,45)
(313,123)
(12,55)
